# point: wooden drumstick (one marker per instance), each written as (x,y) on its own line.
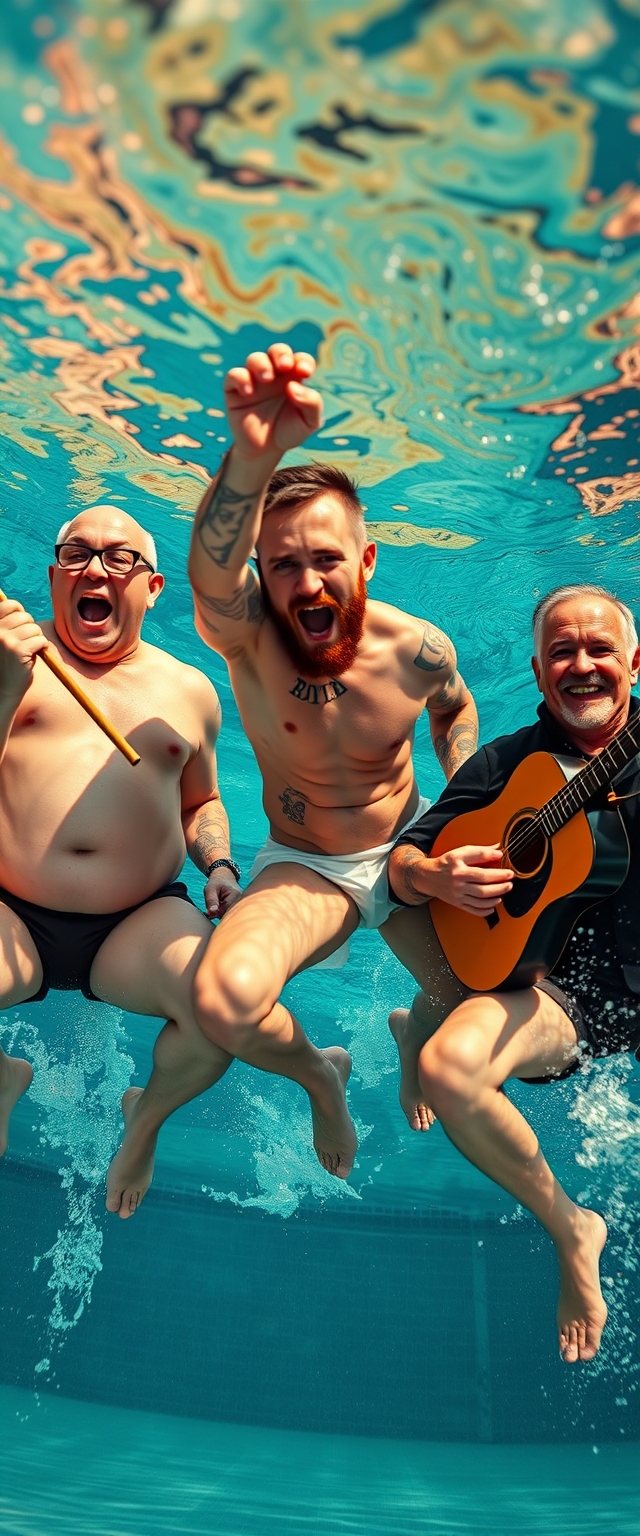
(66,678)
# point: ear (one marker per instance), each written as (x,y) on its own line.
(634,667)
(537,672)
(156,583)
(369,560)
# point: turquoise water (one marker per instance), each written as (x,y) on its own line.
(439,200)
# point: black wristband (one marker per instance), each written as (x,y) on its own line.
(229,864)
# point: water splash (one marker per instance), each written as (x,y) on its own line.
(610,1152)
(80,1074)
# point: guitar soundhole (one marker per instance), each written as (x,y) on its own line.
(525,846)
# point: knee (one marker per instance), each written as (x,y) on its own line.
(230,998)
(454,1061)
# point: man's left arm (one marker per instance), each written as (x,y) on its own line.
(204,819)
(453,716)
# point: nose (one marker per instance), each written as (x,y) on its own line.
(583,662)
(95,568)
(309,583)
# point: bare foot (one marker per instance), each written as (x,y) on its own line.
(582,1312)
(409,1038)
(15,1077)
(131,1170)
(334,1136)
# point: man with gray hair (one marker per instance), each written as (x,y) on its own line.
(90,847)
(457,1048)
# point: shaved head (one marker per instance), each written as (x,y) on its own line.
(117,522)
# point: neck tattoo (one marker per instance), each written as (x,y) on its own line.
(317,693)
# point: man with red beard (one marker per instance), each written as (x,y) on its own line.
(329,688)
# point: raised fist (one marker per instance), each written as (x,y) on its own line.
(269,406)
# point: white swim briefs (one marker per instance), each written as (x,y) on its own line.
(362,875)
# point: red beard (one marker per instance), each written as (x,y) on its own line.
(323,660)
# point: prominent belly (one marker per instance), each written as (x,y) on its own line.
(106,848)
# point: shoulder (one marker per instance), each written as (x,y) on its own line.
(416,640)
(187,682)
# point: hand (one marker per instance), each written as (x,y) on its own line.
(269,407)
(471,878)
(221,893)
(20,640)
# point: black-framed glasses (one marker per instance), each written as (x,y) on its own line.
(115,561)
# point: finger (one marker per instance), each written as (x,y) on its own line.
(9,606)
(304,363)
(485,881)
(307,401)
(261,367)
(238,381)
(490,854)
(281,356)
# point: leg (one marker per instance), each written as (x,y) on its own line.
(289,918)
(147,965)
(411,935)
(462,1068)
(20,977)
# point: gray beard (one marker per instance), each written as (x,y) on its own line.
(596,714)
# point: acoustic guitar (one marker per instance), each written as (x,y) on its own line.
(564,858)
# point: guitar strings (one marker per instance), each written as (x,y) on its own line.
(564,797)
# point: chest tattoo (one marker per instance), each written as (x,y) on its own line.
(317,693)
(294,804)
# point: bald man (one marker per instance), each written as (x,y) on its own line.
(90,847)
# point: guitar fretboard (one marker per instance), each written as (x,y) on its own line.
(595,775)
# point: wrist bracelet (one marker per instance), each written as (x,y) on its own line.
(229,864)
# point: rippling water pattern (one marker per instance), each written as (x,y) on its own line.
(440,199)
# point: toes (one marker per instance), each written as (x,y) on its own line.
(569,1344)
(114,1201)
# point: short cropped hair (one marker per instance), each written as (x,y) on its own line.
(298,484)
(585,589)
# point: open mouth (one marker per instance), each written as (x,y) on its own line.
(316,622)
(94,610)
(586,691)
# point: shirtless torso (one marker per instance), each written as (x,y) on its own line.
(336,759)
(80,829)
(84,832)
(329,687)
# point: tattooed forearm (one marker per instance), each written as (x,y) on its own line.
(244,605)
(294,804)
(453,747)
(435,652)
(404,871)
(210,836)
(223,521)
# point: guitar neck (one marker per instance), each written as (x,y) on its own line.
(595,775)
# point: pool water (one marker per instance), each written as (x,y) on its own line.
(438,198)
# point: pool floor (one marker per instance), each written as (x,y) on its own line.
(77,1467)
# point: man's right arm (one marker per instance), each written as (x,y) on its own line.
(471,877)
(270,409)
(20,640)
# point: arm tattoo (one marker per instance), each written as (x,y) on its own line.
(244,605)
(294,804)
(435,653)
(404,880)
(453,747)
(212,837)
(223,521)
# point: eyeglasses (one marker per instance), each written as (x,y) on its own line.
(115,561)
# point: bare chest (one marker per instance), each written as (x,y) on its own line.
(364,718)
(50,726)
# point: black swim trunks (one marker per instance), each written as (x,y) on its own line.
(68,942)
(589,984)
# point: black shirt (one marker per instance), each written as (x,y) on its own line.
(616,921)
